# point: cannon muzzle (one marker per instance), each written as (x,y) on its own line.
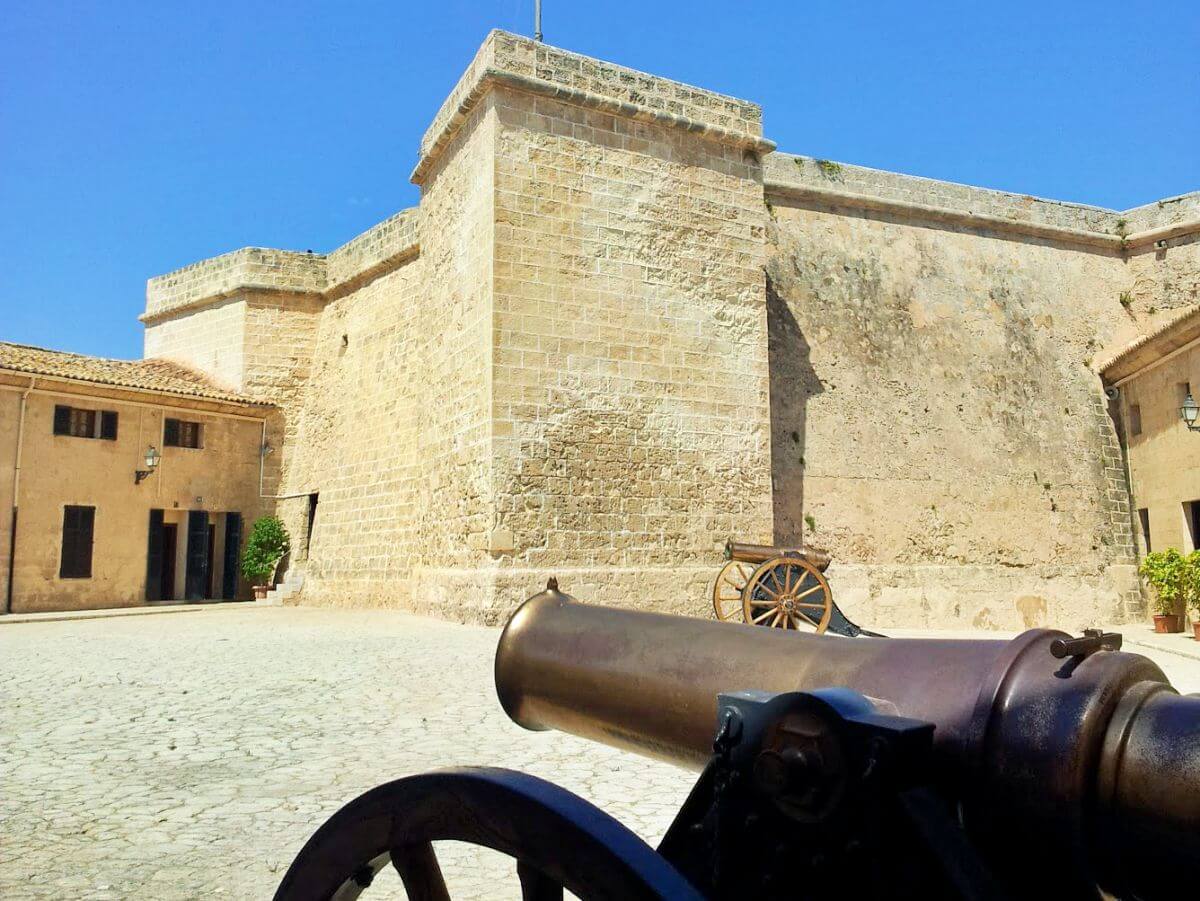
(1070,771)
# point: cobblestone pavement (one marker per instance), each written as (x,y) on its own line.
(191,756)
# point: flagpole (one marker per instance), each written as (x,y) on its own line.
(537,20)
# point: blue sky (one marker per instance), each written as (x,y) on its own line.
(136,137)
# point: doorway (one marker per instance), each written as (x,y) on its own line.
(212,560)
(232,554)
(170,540)
(312,522)
(197,585)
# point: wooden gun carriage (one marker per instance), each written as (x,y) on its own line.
(780,587)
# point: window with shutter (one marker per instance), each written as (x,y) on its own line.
(83,423)
(79,423)
(181,433)
(78,527)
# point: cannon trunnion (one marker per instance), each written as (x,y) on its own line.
(1045,766)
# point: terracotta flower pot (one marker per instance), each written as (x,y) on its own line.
(1165,623)
(1196,629)
(260,593)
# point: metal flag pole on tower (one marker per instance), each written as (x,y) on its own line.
(537,20)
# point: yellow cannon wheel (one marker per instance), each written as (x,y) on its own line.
(788,593)
(727,590)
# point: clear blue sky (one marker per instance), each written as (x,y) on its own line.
(136,137)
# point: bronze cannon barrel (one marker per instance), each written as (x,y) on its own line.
(761,553)
(1081,768)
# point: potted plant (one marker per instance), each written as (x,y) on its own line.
(265,547)
(1166,572)
(1192,589)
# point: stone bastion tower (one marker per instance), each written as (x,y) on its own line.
(557,363)
(619,329)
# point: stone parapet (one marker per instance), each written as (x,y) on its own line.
(259,269)
(1164,213)
(248,269)
(843,185)
(375,250)
(526,65)
(848,185)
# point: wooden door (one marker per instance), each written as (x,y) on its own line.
(196,574)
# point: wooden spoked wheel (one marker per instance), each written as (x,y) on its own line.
(727,590)
(788,593)
(559,841)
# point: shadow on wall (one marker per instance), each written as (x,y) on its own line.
(793,383)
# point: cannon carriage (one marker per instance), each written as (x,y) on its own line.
(780,587)
(1042,767)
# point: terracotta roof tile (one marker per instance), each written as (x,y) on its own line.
(147,375)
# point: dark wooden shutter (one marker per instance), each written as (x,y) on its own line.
(108,425)
(233,547)
(62,420)
(78,528)
(171,433)
(196,577)
(154,557)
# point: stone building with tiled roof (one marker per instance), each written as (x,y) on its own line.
(621,328)
(122,481)
(1154,384)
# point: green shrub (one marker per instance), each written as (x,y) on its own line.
(1174,577)
(265,547)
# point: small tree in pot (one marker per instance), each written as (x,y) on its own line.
(265,547)
(1175,580)
(1191,589)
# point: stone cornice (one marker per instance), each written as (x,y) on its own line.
(491,78)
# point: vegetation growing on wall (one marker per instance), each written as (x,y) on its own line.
(829,168)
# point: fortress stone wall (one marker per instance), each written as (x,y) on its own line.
(619,329)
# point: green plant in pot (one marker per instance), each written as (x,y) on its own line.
(1175,582)
(1191,596)
(266,546)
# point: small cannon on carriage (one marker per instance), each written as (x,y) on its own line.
(780,587)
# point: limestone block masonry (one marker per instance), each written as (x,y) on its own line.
(619,330)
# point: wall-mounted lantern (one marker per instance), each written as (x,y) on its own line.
(1188,413)
(151,459)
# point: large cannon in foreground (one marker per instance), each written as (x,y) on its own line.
(1045,766)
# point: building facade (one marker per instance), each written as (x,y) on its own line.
(621,327)
(1151,381)
(85,520)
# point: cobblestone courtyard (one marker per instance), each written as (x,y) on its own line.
(191,755)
